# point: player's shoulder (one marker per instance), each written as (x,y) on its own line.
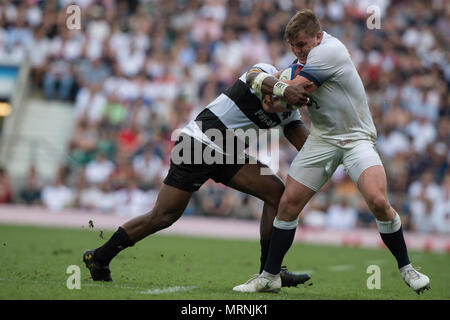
(266,67)
(330,49)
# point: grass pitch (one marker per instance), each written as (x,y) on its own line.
(34,260)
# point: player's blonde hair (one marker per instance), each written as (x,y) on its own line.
(303,20)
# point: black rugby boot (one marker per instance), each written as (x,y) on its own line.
(99,272)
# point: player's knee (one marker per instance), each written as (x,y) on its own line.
(170,216)
(379,204)
(163,218)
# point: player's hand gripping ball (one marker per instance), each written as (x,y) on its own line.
(289,74)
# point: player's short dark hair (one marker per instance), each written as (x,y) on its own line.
(303,20)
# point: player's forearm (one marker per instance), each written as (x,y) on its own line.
(263,83)
(267,84)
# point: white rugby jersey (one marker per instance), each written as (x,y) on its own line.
(238,108)
(339,111)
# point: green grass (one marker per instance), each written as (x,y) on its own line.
(33,263)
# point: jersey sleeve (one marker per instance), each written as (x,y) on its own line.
(323,62)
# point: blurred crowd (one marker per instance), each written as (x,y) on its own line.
(138,70)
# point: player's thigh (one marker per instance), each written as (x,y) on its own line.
(315,163)
(358,159)
(365,168)
(372,181)
(254,179)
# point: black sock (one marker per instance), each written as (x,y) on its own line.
(280,242)
(264,253)
(396,244)
(118,241)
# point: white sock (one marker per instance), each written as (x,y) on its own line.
(389,226)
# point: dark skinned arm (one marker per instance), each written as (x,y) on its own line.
(295,94)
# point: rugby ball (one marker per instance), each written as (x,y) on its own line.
(289,74)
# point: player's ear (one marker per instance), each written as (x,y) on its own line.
(319,36)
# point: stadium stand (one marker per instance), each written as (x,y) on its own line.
(138,70)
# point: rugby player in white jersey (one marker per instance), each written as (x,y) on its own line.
(237,108)
(342,132)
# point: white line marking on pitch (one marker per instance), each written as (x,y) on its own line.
(149,291)
(111,286)
(63,283)
(343,267)
(168,290)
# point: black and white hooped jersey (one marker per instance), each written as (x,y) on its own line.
(238,108)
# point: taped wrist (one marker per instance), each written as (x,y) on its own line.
(257,82)
(279,88)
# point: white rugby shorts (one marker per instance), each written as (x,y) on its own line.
(318,159)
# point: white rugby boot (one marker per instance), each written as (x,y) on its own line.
(416,280)
(260,283)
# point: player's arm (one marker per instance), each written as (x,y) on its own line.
(307,84)
(296,133)
(272,104)
(264,83)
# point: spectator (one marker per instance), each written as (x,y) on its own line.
(89,103)
(30,194)
(314,216)
(58,79)
(250,208)
(442,207)
(114,112)
(83,142)
(143,68)
(341,216)
(216,201)
(41,48)
(424,194)
(422,131)
(129,139)
(365,217)
(131,201)
(106,142)
(99,197)
(6,191)
(57,195)
(123,172)
(148,168)
(99,170)
(92,72)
